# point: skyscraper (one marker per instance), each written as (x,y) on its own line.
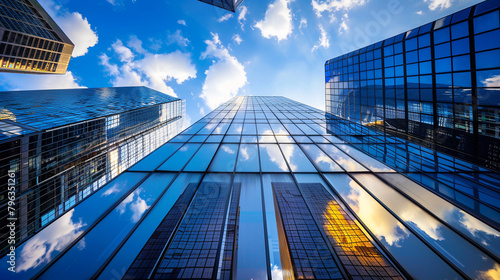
(436,85)
(269,188)
(230,5)
(30,41)
(63,145)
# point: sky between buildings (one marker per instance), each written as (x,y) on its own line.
(206,55)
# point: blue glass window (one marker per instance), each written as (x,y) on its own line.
(488,40)
(462,79)
(180,158)
(412,69)
(443,80)
(488,78)
(424,40)
(488,59)
(460,46)
(271,158)
(426,67)
(225,158)
(152,161)
(443,65)
(424,54)
(486,22)
(411,57)
(201,159)
(442,35)
(411,44)
(248,159)
(296,159)
(442,50)
(461,63)
(460,30)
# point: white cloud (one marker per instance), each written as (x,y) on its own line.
(242,16)
(14,81)
(74,25)
(320,6)
(277,21)
(237,39)
(182,22)
(419,12)
(225,17)
(148,69)
(56,237)
(224,78)
(324,40)
(136,44)
(343,23)
(492,81)
(178,39)
(439,4)
(303,23)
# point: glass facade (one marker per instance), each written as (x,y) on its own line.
(30,41)
(64,145)
(436,85)
(230,5)
(269,188)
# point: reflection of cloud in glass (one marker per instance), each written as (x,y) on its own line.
(184,148)
(267,132)
(281,131)
(492,82)
(137,205)
(491,274)
(112,190)
(275,156)
(369,162)
(56,237)
(276,273)
(244,153)
(288,153)
(227,149)
(322,158)
(474,226)
(376,218)
(218,130)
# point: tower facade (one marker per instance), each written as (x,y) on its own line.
(436,85)
(269,188)
(30,41)
(230,5)
(61,146)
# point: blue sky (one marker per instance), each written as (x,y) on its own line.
(206,55)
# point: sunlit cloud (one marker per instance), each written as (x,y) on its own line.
(224,78)
(277,22)
(15,81)
(177,38)
(237,39)
(225,17)
(324,40)
(491,274)
(147,69)
(74,25)
(242,16)
(56,237)
(439,4)
(492,82)
(182,22)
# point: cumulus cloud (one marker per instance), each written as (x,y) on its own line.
(224,78)
(148,69)
(14,81)
(178,39)
(182,22)
(237,39)
(419,12)
(320,6)
(277,22)
(242,16)
(439,4)
(225,17)
(303,23)
(74,25)
(56,237)
(324,40)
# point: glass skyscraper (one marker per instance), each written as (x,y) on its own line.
(30,41)
(437,85)
(230,5)
(64,145)
(269,188)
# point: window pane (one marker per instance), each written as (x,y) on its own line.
(486,22)
(225,158)
(152,161)
(180,158)
(248,158)
(271,158)
(296,159)
(202,158)
(488,59)
(322,161)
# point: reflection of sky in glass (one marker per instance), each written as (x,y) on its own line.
(248,158)
(451,245)
(48,243)
(96,245)
(296,159)
(271,158)
(460,220)
(398,240)
(225,158)
(177,161)
(124,258)
(344,160)
(322,160)
(369,162)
